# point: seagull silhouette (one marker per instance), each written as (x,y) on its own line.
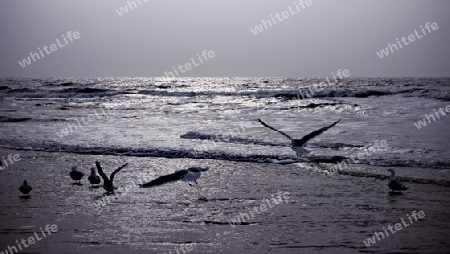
(188,175)
(94,178)
(25,188)
(108,182)
(76,175)
(297,144)
(395,184)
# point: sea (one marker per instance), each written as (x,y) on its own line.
(159,125)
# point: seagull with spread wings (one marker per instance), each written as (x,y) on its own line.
(108,182)
(297,144)
(187,175)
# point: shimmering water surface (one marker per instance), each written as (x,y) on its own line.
(158,126)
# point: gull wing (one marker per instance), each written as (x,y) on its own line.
(117,171)
(302,141)
(270,127)
(100,171)
(165,179)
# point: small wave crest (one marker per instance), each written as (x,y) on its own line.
(227,139)
(53,146)
(248,141)
(14,119)
(304,94)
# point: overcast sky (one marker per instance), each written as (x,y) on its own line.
(150,39)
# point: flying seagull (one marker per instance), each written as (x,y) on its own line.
(108,182)
(187,175)
(25,188)
(76,175)
(395,184)
(94,178)
(297,144)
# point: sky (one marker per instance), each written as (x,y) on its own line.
(312,41)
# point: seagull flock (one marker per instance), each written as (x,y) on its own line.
(191,174)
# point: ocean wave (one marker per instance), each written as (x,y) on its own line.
(248,141)
(168,93)
(304,94)
(292,90)
(227,139)
(326,163)
(86,90)
(14,119)
(57,84)
(20,90)
(52,146)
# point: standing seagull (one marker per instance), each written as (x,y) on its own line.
(25,188)
(76,175)
(395,184)
(297,144)
(187,175)
(94,178)
(108,182)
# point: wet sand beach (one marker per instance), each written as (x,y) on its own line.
(325,213)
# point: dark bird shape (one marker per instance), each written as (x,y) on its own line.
(395,184)
(76,175)
(297,144)
(187,175)
(108,182)
(94,178)
(25,188)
